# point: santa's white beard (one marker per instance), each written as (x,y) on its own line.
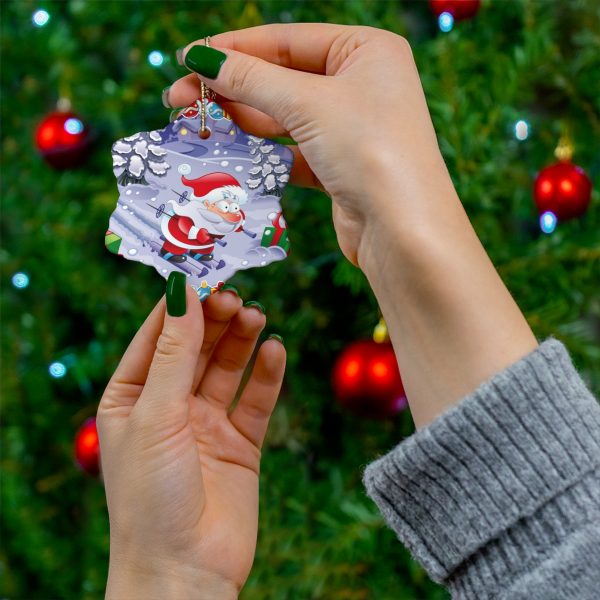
(204,218)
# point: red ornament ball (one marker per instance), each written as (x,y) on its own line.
(563,189)
(63,140)
(366,380)
(87,447)
(459,9)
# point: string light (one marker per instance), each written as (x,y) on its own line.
(40,17)
(73,126)
(156,58)
(20,280)
(446,22)
(57,370)
(548,222)
(521,130)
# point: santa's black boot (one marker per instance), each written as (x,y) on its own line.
(174,258)
(205,258)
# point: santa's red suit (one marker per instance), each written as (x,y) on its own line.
(179,240)
(189,232)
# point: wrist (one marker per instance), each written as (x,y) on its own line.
(406,220)
(149,578)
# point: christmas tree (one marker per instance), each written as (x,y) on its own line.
(503,86)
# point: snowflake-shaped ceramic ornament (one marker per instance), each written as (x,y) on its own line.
(205,207)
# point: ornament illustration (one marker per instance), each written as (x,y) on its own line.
(267,169)
(276,234)
(112,241)
(139,154)
(206,206)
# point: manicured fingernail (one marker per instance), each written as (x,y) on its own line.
(275,336)
(174,114)
(255,304)
(165,97)
(205,60)
(176,294)
(230,288)
(287,141)
(179,55)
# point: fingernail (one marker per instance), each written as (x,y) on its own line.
(165,97)
(179,55)
(255,304)
(174,114)
(286,141)
(176,294)
(230,288)
(205,60)
(276,336)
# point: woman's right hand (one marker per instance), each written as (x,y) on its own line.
(352,100)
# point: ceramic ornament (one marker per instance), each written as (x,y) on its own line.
(206,207)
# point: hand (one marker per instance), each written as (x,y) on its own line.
(180,468)
(203,236)
(352,99)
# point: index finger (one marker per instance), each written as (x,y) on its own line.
(300,46)
(133,366)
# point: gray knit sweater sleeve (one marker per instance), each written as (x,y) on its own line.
(500,496)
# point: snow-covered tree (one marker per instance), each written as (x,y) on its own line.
(268,170)
(138,154)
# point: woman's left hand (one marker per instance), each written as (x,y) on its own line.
(180,468)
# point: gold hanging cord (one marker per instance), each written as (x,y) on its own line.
(206,95)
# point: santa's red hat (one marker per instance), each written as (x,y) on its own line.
(206,184)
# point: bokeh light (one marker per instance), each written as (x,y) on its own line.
(57,370)
(40,17)
(20,280)
(521,130)
(566,186)
(446,22)
(156,58)
(548,222)
(73,126)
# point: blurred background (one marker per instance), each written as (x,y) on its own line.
(507,83)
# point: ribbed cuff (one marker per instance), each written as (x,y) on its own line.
(502,460)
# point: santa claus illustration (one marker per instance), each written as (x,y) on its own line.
(212,212)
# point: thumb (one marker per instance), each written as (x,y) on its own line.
(171,374)
(274,90)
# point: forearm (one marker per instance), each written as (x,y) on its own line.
(451,319)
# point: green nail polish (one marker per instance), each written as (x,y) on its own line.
(205,60)
(275,336)
(230,288)
(165,97)
(174,114)
(287,141)
(255,304)
(176,294)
